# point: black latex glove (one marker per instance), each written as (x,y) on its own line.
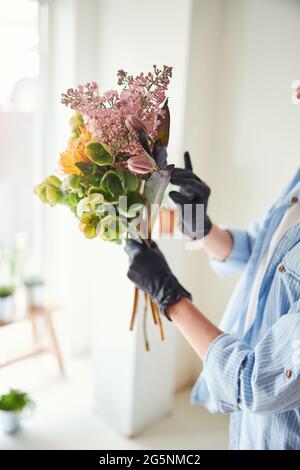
(149,270)
(192,191)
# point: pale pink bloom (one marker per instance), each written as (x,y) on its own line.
(140,164)
(296,93)
(133,123)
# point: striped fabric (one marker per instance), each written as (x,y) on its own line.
(255,376)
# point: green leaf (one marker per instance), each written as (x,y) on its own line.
(108,198)
(95,199)
(103,184)
(97,171)
(89,203)
(73,199)
(119,172)
(111,183)
(74,182)
(163,130)
(85,168)
(92,184)
(99,154)
(130,181)
(135,204)
(111,228)
(80,192)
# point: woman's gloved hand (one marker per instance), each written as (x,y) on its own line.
(149,270)
(193,192)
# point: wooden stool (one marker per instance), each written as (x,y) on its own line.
(45,313)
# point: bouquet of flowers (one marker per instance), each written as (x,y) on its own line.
(114,169)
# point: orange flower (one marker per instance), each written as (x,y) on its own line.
(75,153)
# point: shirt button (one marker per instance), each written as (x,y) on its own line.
(288,373)
(281,268)
(294,199)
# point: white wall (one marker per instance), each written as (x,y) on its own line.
(230,102)
(240,124)
(16,175)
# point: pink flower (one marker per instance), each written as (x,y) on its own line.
(112,116)
(296,93)
(140,164)
(133,123)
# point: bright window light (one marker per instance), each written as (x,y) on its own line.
(19,54)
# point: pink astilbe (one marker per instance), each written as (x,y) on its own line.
(105,115)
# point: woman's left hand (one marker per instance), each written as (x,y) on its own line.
(151,273)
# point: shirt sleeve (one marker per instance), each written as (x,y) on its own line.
(265,379)
(243,242)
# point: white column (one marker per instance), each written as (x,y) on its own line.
(134,387)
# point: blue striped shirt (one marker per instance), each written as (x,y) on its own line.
(255,375)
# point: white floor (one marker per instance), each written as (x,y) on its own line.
(64,416)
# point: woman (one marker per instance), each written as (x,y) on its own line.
(252,362)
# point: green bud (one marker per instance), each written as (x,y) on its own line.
(52,195)
(40,190)
(54,181)
(76,134)
(90,231)
(76,121)
(86,218)
(88,224)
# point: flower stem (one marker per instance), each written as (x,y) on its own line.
(147,346)
(134,307)
(158,316)
(153,312)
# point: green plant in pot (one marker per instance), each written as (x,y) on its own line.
(6,303)
(12,406)
(36,291)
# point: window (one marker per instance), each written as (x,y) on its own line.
(19,52)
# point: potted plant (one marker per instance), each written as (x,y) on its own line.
(6,303)
(12,404)
(36,291)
